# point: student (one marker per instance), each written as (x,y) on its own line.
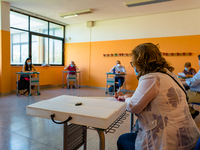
(28,66)
(24,79)
(194,92)
(71,67)
(160,104)
(119,69)
(188,71)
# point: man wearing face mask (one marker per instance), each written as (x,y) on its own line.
(119,69)
(188,71)
(194,92)
(71,67)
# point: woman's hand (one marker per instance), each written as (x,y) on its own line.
(119,96)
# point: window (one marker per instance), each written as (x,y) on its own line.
(41,40)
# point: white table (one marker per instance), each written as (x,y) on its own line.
(96,113)
(77,72)
(32,80)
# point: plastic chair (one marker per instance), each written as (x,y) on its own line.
(72,78)
(198,145)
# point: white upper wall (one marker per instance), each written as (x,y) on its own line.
(4,16)
(179,23)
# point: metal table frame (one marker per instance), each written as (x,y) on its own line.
(110,80)
(100,132)
(32,81)
(77,72)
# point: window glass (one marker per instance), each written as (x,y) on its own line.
(39,45)
(56,30)
(55,51)
(18,20)
(38,25)
(19,46)
(46,44)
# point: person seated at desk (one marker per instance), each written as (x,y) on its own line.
(28,66)
(194,92)
(72,68)
(119,69)
(188,71)
(24,79)
(160,104)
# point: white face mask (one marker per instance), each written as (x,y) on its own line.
(118,65)
(28,63)
(187,69)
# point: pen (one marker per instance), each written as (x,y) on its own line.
(118,90)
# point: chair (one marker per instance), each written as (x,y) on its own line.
(198,145)
(71,77)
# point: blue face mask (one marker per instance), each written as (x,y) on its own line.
(136,73)
(29,63)
(72,65)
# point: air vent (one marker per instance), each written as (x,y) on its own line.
(143,2)
(76,13)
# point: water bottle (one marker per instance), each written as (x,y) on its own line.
(114,70)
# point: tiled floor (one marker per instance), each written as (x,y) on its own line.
(19,131)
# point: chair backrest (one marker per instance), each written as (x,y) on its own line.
(198,145)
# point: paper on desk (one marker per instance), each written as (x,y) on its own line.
(105,98)
(181,74)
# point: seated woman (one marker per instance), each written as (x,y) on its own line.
(188,71)
(72,68)
(28,66)
(160,104)
(24,79)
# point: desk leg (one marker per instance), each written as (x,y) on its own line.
(101,139)
(30,85)
(62,79)
(38,92)
(79,82)
(17,84)
(131,122)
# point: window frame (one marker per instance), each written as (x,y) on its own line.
(30,33)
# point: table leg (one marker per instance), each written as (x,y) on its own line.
(101,139)
(38,83)
(65,136)
(62,79)
(79,80)
(131,122)
(29,84)
(17,84)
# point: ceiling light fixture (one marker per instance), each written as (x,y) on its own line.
(143,2)
(76,13)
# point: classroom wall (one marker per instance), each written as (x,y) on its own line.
(174,31)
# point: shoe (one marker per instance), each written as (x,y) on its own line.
(73,87)
(195,114)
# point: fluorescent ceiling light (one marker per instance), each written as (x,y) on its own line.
(143,2)
(76,13)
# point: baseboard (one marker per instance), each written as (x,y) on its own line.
(60,85)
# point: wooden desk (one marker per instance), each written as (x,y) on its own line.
(96,113)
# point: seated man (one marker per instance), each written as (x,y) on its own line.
(188,71)
(71,67)
(119,69)
(194,92)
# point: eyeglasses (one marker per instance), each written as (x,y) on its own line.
(132,64)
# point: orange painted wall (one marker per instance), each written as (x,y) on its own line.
(5,74)
(89,57)
(48,75)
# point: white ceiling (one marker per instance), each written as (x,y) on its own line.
(103,9)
